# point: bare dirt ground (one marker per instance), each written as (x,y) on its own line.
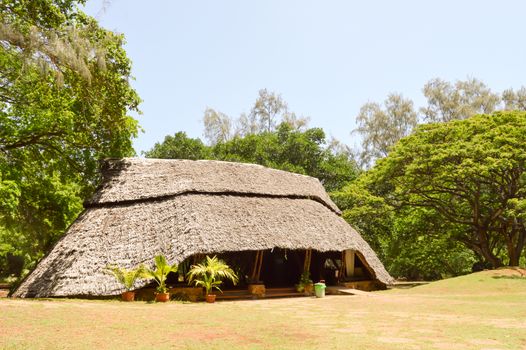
(486,311)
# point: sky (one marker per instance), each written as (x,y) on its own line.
(326,58)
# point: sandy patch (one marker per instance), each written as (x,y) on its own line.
(394,340)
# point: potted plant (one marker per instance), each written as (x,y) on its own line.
(126,277)
(209,274)
(256,287)
(161,271)
(305,284)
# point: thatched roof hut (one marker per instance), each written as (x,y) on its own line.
(179,208)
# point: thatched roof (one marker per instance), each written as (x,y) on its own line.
(134,179)
(191,207)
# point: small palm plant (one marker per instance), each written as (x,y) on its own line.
(209,274)
(161,271)
(127,277)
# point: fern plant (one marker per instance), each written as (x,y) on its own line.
(210,273)
(160,273)
(126,277)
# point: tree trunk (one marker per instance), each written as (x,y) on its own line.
(485,250)
(515,250)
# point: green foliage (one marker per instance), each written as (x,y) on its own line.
(366,212)
(470,175)
(160,273)
(63,106)
(303,152)
(382,126)
(412,243)
(305,280)
(210,273)
(288,149)
(127,277)
(179,146)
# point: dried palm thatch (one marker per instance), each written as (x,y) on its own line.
(179,208)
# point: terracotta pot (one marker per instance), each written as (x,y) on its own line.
(211,298)
(308,289)
(257,289)
(162,297)
(128,296)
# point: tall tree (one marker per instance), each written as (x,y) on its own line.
(381,127)
(268,108)
(446,101)
(472,174)
(268,111)
(218,126)
(64,103)
(514,100)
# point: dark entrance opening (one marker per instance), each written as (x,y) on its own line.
(282,267)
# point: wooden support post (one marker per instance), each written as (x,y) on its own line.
(308,258)
(260,264)
(341,274)
(255,268)
(349,262)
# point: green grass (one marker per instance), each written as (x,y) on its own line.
(485,310)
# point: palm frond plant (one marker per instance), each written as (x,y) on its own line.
(127,277)
(210,274)
(305,283)
(159,274)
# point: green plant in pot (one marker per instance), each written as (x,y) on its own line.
(305,284)
(159,274)
(127,277)
(210,274)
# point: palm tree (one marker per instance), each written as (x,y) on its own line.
(126,277)
(161,271)
(210,273)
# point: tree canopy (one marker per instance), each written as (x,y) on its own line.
(267,113)
(65,95)
(382,126)
(468,178)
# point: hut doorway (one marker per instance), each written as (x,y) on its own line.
(282,267)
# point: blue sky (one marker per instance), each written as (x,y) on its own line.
(326,58)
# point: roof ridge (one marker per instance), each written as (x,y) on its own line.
(88,204)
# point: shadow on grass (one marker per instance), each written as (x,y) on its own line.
(510,277)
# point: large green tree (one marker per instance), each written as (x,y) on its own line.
(470,174)
(65,95)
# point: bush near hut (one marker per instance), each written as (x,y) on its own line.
(160,272)
(210,274)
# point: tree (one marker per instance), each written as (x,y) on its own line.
(514,100)
(381,127)
(218,126)
(289,149)
(446,102)
(64,99)
(471,174)
(303,152)
(268,107)
(268,112)
(179,146)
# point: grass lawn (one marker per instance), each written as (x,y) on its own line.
(486,310)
